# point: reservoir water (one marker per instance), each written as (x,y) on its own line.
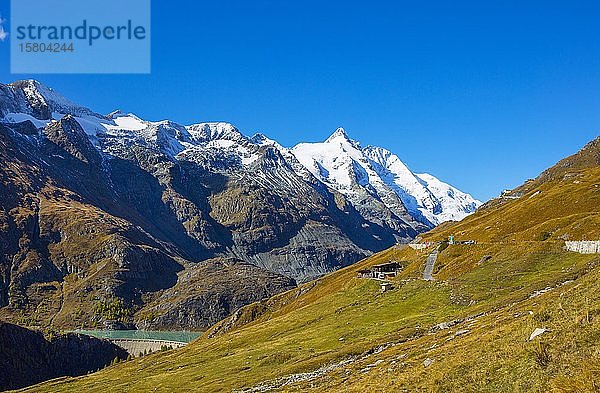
(181,336)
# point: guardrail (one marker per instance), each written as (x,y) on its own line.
(584,246)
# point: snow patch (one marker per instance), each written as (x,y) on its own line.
(21,117)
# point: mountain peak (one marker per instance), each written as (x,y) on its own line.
(33,97)
(116,113)
(205,132)
(37,91)
(340,137)
(339,134)
(260,139)
(27,83)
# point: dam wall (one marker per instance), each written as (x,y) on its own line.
(136,346)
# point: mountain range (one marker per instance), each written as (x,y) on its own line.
(507,305)
(107,219)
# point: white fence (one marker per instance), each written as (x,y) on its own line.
(584,247)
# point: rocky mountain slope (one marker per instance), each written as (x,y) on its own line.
(103,215)
(28,357)
(208,292)
(510,309)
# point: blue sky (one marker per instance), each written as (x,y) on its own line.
(482,94)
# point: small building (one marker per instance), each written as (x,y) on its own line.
(382,271)
(365,273)
(386,286)
(386,270)
(390,267)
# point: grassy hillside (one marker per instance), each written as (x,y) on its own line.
(466,331)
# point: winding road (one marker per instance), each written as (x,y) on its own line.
(427,273)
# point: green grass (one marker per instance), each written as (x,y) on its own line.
(341,317)
(495,355)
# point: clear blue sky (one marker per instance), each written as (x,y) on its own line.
(482,94)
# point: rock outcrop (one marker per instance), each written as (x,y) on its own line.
(209,292)
(28,357)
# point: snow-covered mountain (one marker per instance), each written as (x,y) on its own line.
(372,178)
(144,211)
(342,164)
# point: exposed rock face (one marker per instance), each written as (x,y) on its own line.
(27,357)
(102,216)
(209,292)
(89,242)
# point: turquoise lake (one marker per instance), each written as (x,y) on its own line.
(181,336)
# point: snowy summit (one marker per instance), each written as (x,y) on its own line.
(372,178)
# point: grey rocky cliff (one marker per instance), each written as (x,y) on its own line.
(207,293)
